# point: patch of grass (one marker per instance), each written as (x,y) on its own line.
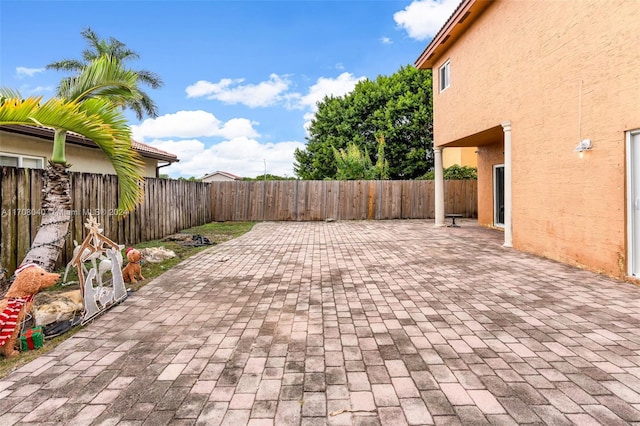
(216,232)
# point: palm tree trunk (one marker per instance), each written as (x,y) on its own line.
(56,216)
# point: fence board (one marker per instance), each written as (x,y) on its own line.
(8,236)
(24,211)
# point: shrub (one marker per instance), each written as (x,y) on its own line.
(454,172)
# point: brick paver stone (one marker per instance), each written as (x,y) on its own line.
(349,323)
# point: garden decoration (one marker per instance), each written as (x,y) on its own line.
(132,272)
(96,247)
(30,279)
(103,267)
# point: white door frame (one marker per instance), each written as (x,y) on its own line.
(632,190)
(495,192)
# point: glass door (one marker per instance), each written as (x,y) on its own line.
(498,195)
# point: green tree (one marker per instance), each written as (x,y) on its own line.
(455,172)
(268,176)
(381,169)
(353,164)
(89,104)
(115,49)
(398,106)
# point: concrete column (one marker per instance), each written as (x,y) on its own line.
(439,182)
(508,201)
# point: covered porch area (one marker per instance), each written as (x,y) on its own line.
(493,148)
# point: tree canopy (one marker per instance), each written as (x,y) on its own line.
(118,52)
(396,107)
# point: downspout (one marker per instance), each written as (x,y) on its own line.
(159,167)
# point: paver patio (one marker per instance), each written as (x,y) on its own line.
(387,322)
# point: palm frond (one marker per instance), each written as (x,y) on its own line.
(8,93)
(91,37)
(102,77)
(126,162)
(143,105)
(149,78)
(91,81)
(65,65)
(89,55)
(96,119)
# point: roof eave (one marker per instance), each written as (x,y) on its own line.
(461,19)
(47,133)
(155,156)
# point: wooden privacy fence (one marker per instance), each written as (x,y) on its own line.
(169,206)
(172,205)
(340,200)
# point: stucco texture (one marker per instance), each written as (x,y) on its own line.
(559,71)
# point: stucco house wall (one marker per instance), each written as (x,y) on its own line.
(82,158)
(559,71)
(460,156)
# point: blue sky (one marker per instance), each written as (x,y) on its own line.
(241,78)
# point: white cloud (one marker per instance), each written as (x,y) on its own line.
(307,120)
(339,86)
(38,90)
(27,72)
(238,127)
(267,93)
(185,149)
(241,156)
(204,88)
(192,124)
(386,40)
(422,19)
(230,91)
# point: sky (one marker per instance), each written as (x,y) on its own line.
(241,78)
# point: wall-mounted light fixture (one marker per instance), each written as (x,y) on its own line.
(584,145)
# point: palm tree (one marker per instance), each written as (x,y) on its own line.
(91,106)
(117,50)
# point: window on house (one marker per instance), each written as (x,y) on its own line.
(28,162)
(445,77)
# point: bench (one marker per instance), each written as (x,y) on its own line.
(453,217)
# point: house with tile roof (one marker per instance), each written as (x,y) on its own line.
(218,176)
(30,147)
(548,94)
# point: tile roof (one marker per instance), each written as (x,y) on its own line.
(218,172)
(74,138)
(150,151)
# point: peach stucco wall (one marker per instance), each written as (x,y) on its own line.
(488,156)
(82,159)
(460,156)
(530,63)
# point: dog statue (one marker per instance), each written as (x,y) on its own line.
(132,272)
(30,279)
